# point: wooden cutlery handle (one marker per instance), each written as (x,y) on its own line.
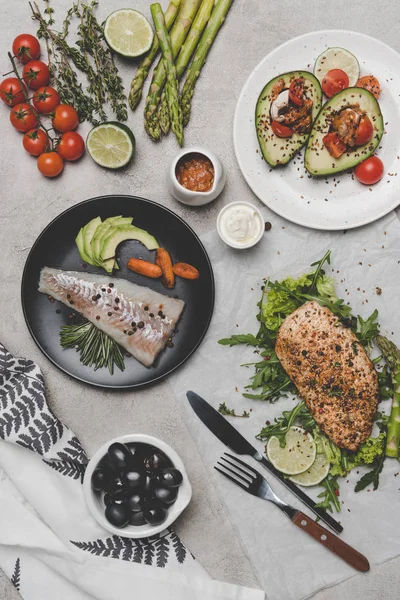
(331,541)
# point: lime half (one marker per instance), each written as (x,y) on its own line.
(128,32)
(337,58)
(111,144)
(297,456)
(315,474)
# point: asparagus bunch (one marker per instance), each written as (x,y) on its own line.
(142,72)
(171,86)
(197,28)
(215,23)
(179,33)
(391,355)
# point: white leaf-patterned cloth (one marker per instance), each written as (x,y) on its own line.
(50,546)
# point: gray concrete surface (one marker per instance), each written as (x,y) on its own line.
(29,202)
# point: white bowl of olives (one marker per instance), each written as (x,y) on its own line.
(136,486)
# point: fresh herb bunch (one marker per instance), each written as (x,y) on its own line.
(230,412)
(95,347)
(92,57)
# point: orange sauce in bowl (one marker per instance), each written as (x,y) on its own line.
(195,172)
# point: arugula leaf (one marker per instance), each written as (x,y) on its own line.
(330,494)
(240,338)
(230,412)
(367,330)
(372,477)
(299,414)
(319,272)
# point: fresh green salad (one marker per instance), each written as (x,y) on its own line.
(270,382)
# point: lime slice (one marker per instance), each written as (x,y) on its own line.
(337,58)
(111,144)
(128,32)
(297,456)
(315,474)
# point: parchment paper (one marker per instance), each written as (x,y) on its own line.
(289,564)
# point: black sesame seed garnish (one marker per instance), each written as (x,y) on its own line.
(98,296)
(109,314)
(111,285)
(160,313)
(68,296)
(133,324)
(98,318)
(116,300)
(151,315)
(140,324)
(103,289)
(125,331)
(94,298)
(71,301)
(130,332)
(146,308)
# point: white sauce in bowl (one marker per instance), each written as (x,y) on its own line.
(240,224)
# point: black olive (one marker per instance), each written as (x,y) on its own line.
(137,518)
(117,514)
(100,478)
(116,489)
(133,478)
(134,501)
(108,499)
(156,461)
(155,513)
(171,477)
(119,456)
(165,495)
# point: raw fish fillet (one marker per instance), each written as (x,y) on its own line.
(331,371)
(117,307)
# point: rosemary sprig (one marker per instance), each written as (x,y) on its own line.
(95,347)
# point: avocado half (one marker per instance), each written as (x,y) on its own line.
(317,159)
(276,150)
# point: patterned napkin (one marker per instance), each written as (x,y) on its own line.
(50,546)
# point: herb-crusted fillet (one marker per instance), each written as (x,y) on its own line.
(331,371)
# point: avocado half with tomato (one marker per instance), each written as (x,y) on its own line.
(275,149)
(317,159)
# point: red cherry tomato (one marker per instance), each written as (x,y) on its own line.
(45,99)
(35,142)
(296,91)
(364,131)
(50,164)
(26,47)
(23,117)
(36,74)
(334,81)
(281,130)
(12,92)
(71,146)
(370,171)
(65,118)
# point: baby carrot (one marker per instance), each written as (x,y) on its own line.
(163,260)
(186,271)
(144,267)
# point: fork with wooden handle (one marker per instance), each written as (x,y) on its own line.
(251,481)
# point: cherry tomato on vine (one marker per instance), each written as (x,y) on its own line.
(36,74)
(35,141)
(26,47)
(12,92)
(71,146)
(65,118)
(364,131)
(23,117)
(45,99)
(334,81)
(281,130)
(50,164)
(370,171)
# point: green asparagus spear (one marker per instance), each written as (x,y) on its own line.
(171,86)
(142,72)
(179,32)
(214,24)
(185,55)
(391,355)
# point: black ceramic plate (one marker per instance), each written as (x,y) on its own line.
(55,247)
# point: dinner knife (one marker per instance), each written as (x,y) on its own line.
(234,440)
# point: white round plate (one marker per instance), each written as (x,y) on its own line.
(338,201)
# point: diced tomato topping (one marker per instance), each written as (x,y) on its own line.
(281,130)
(296,92)
(335,146)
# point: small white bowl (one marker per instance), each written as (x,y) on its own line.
(96,506)
(233,243)
(196,198)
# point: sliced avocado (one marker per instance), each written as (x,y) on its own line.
(277,150)
(317,159)
(106,226)
(88,232)
(81,247)
(123,233)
